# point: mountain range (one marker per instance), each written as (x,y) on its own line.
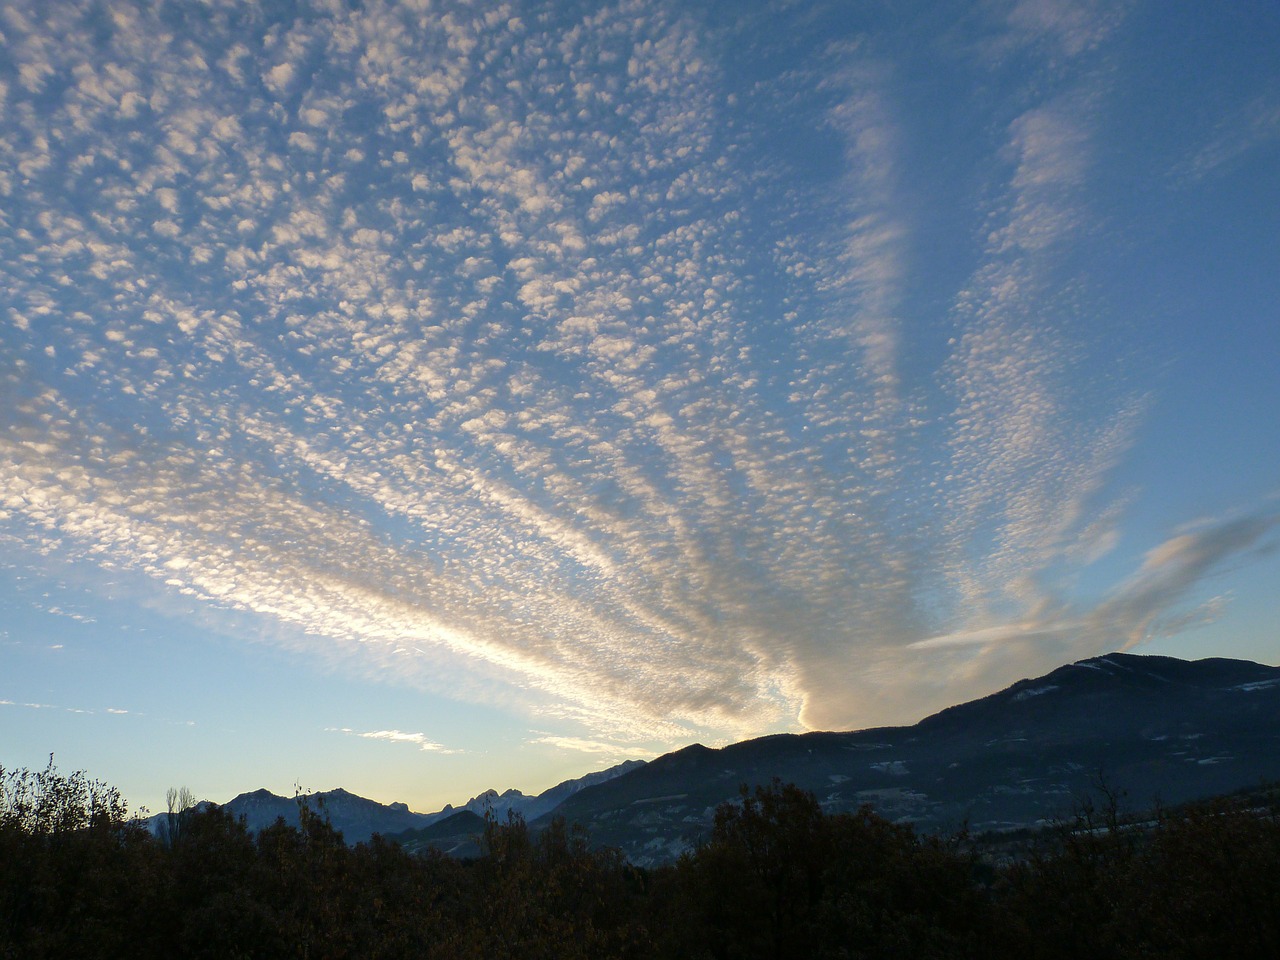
(359,818)
(1146,729)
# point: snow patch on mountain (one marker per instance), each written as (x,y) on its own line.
(1030,692)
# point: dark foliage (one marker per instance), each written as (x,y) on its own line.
(1203,882)
(777,878)
(781,879)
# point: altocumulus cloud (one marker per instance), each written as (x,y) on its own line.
(473,345)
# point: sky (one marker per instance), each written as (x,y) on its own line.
(422,397)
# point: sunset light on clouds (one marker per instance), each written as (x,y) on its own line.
(421,397)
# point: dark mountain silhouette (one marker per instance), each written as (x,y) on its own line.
(1150,729)
(533,807)
(359,818)
(1145,727)
(457,835)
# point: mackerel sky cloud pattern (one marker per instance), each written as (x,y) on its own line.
(658,375)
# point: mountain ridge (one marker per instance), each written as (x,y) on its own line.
(359,818)
(1151,726)
(1156,728)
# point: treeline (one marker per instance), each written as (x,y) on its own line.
(777,878)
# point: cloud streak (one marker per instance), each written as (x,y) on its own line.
(419,740)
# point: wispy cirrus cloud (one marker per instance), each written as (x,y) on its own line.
(592,747)
(1251,125)
(1073,26)
(85,711)
(419,740)
(1146,605)
(1145,602)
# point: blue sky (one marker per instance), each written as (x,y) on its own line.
(424,397)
